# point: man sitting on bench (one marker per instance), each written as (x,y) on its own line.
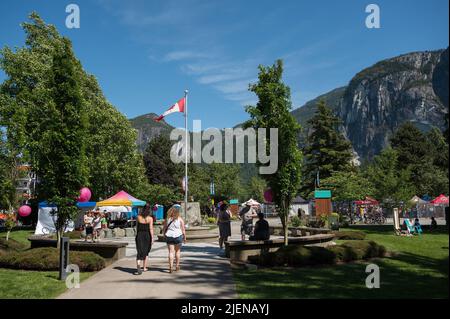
(262,231)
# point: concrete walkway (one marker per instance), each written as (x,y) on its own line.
(204,273)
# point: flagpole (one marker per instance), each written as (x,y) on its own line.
(186,155)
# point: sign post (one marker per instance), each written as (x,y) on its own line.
(63,257)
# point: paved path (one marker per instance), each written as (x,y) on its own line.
(204,273)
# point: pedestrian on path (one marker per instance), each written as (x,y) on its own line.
(224,222)
(144,238)
(175,234)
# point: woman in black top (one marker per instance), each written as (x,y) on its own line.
(144,237)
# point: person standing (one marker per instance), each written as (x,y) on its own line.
(97,224)
(224,223)
(144,238)
(89,229)
(175,233)
(247,214)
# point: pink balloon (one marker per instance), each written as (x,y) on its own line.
(85,195)
(24,210)
(268,195)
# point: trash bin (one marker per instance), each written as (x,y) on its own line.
(159,213)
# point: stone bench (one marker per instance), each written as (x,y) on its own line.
(240,250)
(111,251)
(298,231)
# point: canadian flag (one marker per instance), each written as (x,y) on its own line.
(177,107)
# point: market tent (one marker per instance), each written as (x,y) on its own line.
(251,202)
(368,201)
(122,198)
(417,200)
(440,200)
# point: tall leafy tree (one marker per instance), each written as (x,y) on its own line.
(111,151)
(391,185)
(58,142)
(273,111)
(159,168)
(326,149)
(256,187)
(425,155)
(347,187)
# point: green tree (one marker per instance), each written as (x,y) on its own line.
(273,111)
(256,188)
(391,185)
(425,156)
(326,150)
(8,175)
(162,195)
(347,187)
(58,143)
(112,156)
(159,168)
(226,179)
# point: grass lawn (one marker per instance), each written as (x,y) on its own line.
(418,269)
(30,284)
(20,236)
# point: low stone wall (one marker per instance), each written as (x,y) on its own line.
(298,231)
(241,250)
(111,251)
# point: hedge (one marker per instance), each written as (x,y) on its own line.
(349,235)
(298,256)
(11,245)
(47,258)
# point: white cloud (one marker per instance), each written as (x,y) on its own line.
(184,55)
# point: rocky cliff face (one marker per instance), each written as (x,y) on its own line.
(411,87)
(379,99)
(148,129)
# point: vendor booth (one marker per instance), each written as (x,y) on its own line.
(121,207)
(46,222)
(439,204)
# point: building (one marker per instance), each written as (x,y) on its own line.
(300,204)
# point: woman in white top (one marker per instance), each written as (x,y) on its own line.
(175,233)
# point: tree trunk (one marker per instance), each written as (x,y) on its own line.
(286,217)
(59,235)
(7,235)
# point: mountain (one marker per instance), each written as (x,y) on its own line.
(147,129)
(411,87)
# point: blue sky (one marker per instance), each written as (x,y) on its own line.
(145,53)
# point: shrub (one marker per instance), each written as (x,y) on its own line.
(296,221)
(211,220)
(11,245)
(319,223)
(364,249)
(321,256)
(350,235)
(314,255)
(48,259)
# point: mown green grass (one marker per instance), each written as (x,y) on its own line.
(418,268)
(21,284)
(20,236)
(24,284)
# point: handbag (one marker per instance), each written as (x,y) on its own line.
(167,228)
